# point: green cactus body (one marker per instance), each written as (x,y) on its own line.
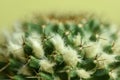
(61,49)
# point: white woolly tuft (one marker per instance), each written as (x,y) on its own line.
(36,45)
(105,59)
(16,50)
(70,56)
(77,40)
(113,74)
(16,37)
(83,74)
(93,49)
(12,46)
(46,65)
(24,70)
(105,39)
(58,42)
(15,46)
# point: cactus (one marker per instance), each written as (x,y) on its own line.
(61,48)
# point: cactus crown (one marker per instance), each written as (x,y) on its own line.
(67,48)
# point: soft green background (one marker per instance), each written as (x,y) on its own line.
(12,10)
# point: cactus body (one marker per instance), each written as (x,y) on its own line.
(61,49)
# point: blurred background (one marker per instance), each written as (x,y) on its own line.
(15,10)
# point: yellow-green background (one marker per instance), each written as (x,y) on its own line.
(13,10)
